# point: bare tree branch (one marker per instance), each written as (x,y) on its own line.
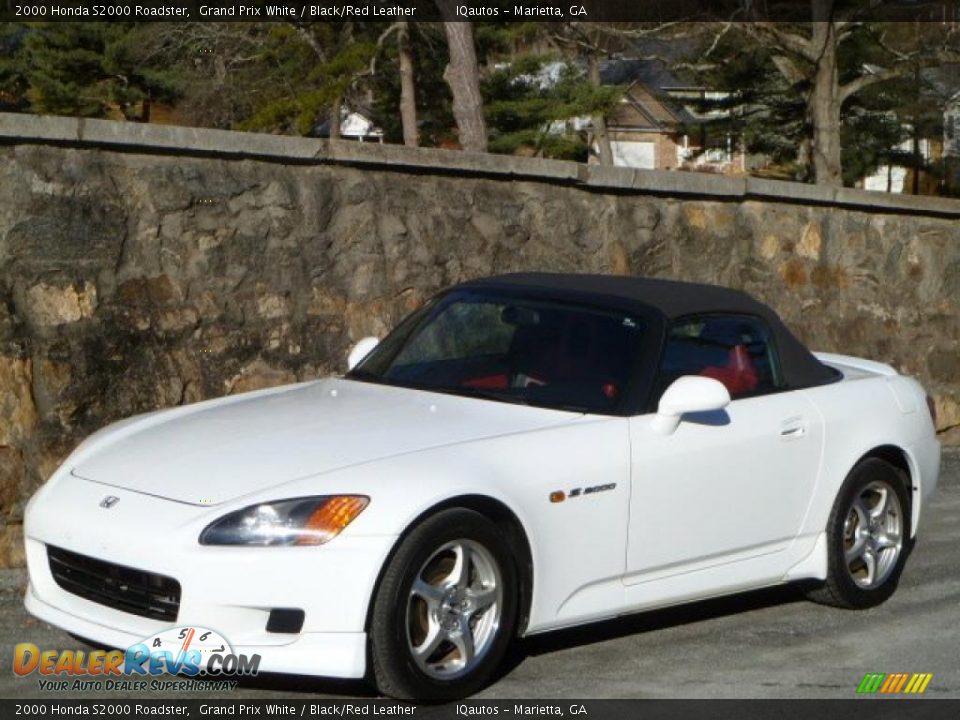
(768,33)
(310,40)
(865,81)
(716,40)
(906,65)
(788,68)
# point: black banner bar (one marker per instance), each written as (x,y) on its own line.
(649,11)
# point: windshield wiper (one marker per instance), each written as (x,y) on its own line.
(485,394)
(464,391)
(365,376)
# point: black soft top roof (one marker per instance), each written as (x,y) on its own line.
(671,299)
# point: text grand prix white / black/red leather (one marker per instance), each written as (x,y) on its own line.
(524,453)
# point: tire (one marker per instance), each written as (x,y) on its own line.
(870,519)
(437,633)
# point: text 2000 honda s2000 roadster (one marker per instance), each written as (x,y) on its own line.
(523,453)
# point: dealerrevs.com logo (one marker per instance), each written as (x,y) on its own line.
(894,683)
(187,651)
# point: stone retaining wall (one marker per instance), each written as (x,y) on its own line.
(144,267)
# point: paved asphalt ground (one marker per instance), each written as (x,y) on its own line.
(769,644)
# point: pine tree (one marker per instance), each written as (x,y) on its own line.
(767,105)
(13,76)
(537,98)
(533,101)
(276,77)
(317,68)
(89,70)
(828,64)
(435,123)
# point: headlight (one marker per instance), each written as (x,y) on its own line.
(302,521)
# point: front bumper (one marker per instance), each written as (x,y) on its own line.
(229,590)
(341,655)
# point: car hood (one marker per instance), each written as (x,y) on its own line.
(214,452)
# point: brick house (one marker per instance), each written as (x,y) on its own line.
(656,124)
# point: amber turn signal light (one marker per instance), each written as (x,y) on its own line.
(326,522)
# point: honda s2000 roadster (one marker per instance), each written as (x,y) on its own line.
(523,453)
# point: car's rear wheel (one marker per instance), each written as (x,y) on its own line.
(868,537)
(445,610)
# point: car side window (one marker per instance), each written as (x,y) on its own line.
(736,350)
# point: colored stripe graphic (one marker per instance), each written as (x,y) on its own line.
(871,682)
(894,683)
(920,682)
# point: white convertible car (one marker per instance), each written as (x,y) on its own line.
(524,453)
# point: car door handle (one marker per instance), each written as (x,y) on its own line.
(793,428)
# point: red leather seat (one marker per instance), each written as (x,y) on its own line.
(568,352)
(491,382)
(739,376)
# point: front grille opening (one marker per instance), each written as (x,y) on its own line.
(137,592)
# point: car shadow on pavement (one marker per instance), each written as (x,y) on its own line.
(582,635)
(649,621)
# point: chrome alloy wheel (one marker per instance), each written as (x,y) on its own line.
(453,609)
(873,535)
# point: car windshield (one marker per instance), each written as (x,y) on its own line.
(503,348)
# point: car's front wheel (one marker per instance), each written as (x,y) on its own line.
(445,609)
(868,537)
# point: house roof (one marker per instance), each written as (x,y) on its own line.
(652,73)
(645,103)
(353,123)
(641,108)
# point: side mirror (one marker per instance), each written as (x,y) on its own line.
(689,394)
(359,351)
